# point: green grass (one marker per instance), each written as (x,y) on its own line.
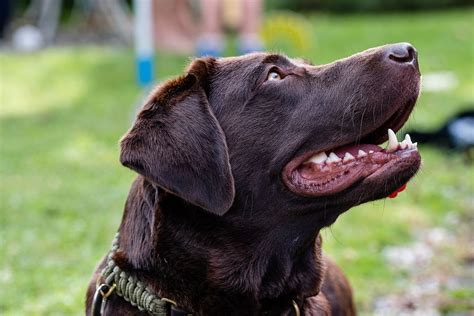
(62,188)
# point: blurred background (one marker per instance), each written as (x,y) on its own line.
(73,73)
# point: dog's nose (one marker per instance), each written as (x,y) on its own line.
(402,53)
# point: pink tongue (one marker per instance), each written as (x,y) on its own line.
(354,149)
(400,189)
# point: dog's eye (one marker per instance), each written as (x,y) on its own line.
(273,76)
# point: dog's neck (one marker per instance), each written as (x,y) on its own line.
(199,259)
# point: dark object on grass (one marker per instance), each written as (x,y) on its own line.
(224,217)
(457,133)
(5,15)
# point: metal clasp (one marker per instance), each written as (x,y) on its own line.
(296,308)
(175,310)
(102,292)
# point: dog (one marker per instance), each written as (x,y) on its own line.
(241,162)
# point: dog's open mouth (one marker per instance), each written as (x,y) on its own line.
(329,172)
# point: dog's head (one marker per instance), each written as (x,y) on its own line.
(264,133)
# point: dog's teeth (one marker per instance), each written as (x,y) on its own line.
(408,139)
(371,151)
(319,158)
(404,145)
(392,141)
(361,153)
(415,145)
(348,157)
(333,158)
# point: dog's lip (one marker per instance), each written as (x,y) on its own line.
(314,180)
(376,136)
(372,138)
(395,122)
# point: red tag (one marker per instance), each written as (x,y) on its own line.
(400,189)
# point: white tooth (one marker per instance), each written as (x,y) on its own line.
(371,151)
(408,139)
(333,158)
(392,141)
(404,145)
(348,157)
(361,153)
(319,158)
(415,145)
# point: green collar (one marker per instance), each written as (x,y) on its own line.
(113,279)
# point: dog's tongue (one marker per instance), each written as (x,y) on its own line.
(400,189)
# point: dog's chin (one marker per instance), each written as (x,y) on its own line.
(388,179)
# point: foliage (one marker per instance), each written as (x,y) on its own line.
(364,5)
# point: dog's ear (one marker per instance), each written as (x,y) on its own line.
(177,143)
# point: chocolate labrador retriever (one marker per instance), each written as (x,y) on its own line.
(241,162)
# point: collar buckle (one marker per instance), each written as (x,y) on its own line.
(296,308)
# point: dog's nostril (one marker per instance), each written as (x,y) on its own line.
(402,53)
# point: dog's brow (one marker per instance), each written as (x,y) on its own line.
(303,61)
(275,58)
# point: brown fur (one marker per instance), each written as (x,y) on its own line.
(208,222)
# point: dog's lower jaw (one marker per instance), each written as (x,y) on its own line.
(210,272)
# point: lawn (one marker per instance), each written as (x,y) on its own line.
(63,110)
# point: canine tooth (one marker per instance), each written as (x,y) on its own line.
(371,151)
(392,141)
(333,158)
(408,139)
(415,145)
(361,153)
(408,142)
(348,157)
(319,158)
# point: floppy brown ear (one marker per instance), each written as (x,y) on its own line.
(177,143)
